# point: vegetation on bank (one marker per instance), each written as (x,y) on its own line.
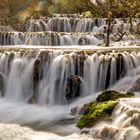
(101,109)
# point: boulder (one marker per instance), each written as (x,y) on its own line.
(73,87)
(101,109)
(97,112)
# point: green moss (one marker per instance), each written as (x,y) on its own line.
(97,112)
(101,109)
(113,95)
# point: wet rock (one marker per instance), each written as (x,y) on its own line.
(84,41)
(74,111)
(100,36)
(107,132)
(120,66)
(53,39)
(85,131)
(32,100)
(37,70)
(1,85)
(82,56)
(133,120)
(10,59)
(73,88)
(97,112)
(85,109)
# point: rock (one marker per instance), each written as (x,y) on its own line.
(73,88)
(37,71)
(120,66)
(82,56)
(85,109)
(112,96)
(83,41)
(101,109)
(85,131)
(1,85)
(74,111)
(97,112)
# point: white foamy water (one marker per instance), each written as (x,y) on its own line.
(16,132)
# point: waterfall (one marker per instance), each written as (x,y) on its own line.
(41,77)
(66,30)
(54,65)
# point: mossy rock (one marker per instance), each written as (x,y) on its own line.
(102,108)
(112,96)
(97,112)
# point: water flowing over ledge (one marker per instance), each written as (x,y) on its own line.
(65,31)
(56,64)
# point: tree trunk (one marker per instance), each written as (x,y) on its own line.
(109,23)
(131,25)
(108,31)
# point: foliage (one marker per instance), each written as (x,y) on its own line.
(12,11)
(119,8)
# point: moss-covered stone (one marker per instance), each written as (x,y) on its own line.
(101,109)
(113,95)
(97,112)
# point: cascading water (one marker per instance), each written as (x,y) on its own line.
(28,75)
(40,77)
(65,31)
(37,86)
